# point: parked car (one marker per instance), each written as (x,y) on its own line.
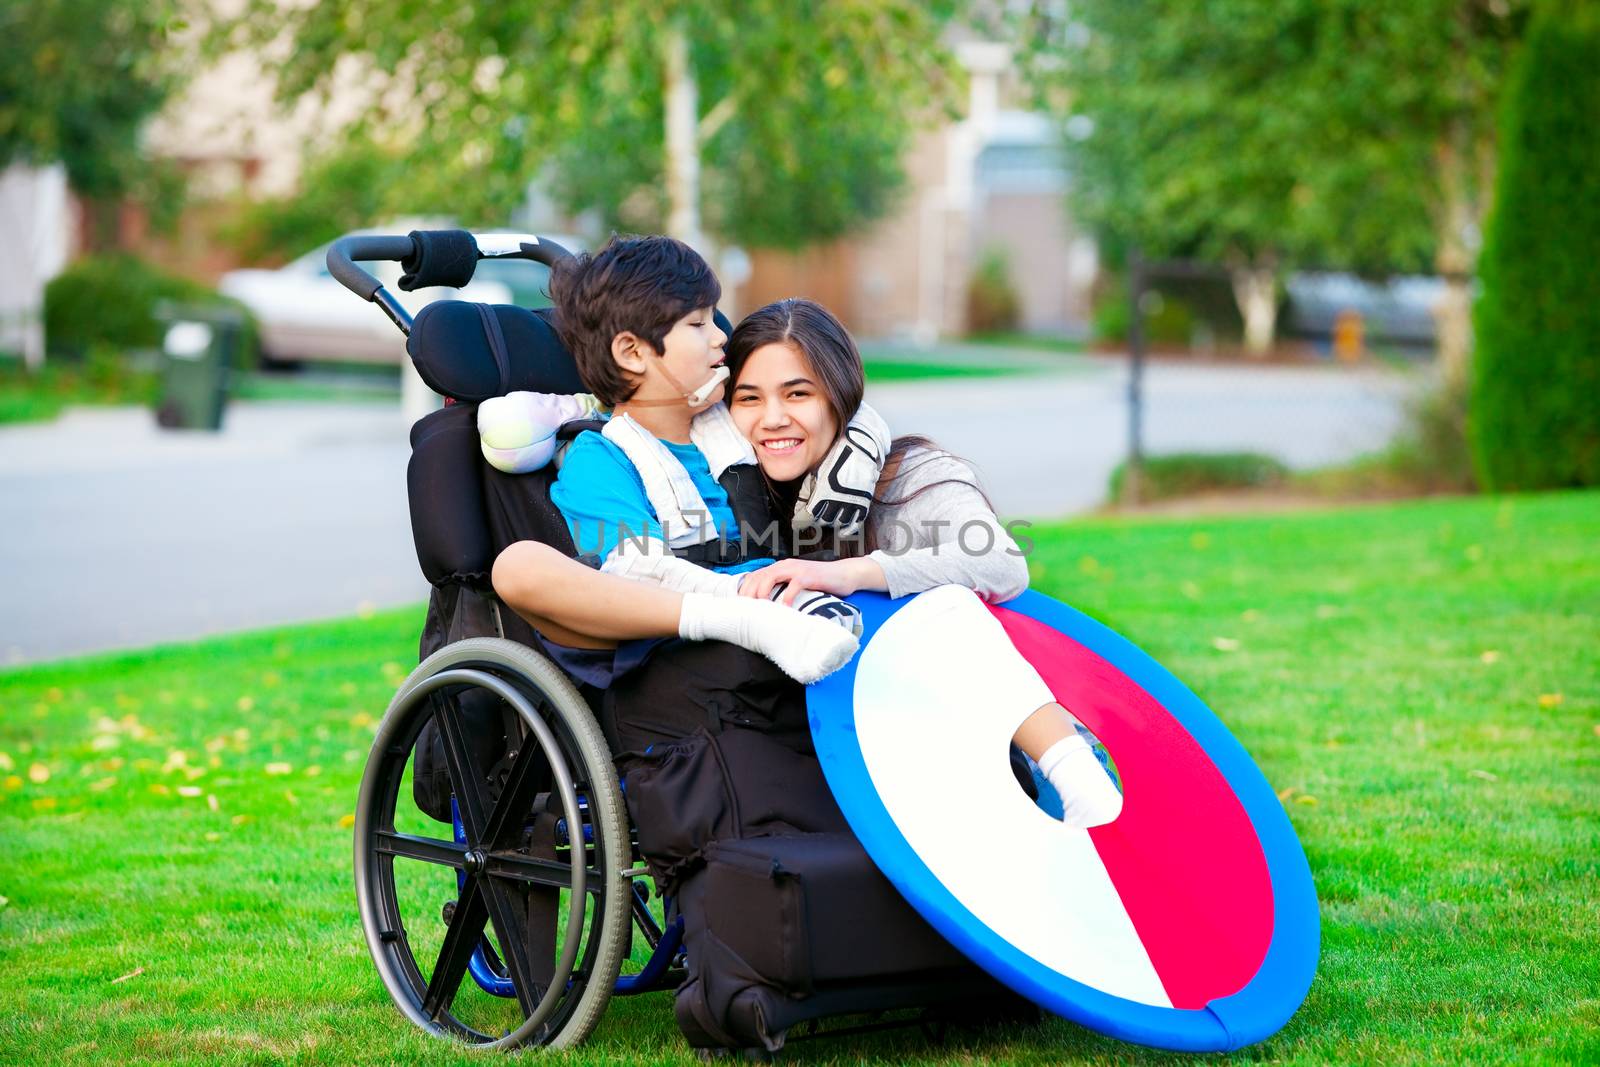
(1399,310)
(304,314)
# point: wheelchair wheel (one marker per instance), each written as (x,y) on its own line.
(546,834)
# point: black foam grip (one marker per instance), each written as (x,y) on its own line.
(439,257)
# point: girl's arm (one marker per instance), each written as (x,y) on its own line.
(945,534)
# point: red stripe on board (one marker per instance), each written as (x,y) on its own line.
(1183,854)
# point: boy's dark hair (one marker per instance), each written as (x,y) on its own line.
(641,285)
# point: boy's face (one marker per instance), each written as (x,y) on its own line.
(689,352)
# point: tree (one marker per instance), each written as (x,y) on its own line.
(769,122)
(1333,133)
(1535,414)
(78,80)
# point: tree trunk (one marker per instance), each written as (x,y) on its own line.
(1455,258)
(1255,290)
(682,99)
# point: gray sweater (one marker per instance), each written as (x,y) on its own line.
(946,535)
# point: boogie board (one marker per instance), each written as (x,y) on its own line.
(1188,923)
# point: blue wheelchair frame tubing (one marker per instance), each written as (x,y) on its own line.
(647,980)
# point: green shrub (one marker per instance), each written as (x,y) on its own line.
(1168,320)
(1430,454)
(1535,416)
(1187,473)
(110,301)
(992,304)
(103,376)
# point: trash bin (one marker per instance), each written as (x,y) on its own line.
(201,343)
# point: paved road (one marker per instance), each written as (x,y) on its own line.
(114,534)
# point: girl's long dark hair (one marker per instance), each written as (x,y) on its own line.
(822,340)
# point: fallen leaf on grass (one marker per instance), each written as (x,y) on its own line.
(1551,700)
(102,785)
(13,782)
(44,803)
(346,821)
(1597,729)
(4,901)
(246,703)
(211,801)
(189,791)
(213,836)
(1225,644)
(136,972)
(6,763)
(1487,776)
(39,774)
(278,768)
(1489,655)
(294,801)
(1305,798)
(1286,792)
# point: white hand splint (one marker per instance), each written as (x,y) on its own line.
(517,432)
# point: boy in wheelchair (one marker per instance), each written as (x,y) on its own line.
(665,491)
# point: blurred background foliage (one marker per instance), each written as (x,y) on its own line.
(804,109)
(78,81)
(1536,384)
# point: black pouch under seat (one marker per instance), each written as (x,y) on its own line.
(785,928)
(810,909)
(708,787)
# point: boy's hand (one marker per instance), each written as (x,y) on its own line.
(839,578)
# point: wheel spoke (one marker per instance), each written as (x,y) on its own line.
(460,939)
(465,780)
(426,849)
(519,868)
(506,822)
(511,932)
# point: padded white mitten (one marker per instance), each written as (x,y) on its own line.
(517,432)
(804,647)
(1088,795)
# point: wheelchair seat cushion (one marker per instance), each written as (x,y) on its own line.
(471,352)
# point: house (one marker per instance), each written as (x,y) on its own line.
(994,181)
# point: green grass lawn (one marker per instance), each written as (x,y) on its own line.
(902,370)
(1419,682)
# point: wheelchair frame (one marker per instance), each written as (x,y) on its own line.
(552,733)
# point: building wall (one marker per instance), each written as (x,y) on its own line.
(993,179)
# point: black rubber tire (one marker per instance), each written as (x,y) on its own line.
(570,1009)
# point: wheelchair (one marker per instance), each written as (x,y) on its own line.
(512,928)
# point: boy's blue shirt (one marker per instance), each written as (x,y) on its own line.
(602,497)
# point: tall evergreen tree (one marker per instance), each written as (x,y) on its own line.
(1535,415)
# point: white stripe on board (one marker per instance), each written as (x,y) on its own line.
(939,691)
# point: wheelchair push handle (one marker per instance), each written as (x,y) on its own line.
(429,258)
(346,250)
(433,257)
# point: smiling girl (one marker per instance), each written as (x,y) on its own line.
(797,377)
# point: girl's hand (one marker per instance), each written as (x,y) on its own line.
(838,577)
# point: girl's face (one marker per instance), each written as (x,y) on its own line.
(778,404)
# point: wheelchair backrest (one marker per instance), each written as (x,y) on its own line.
(463,512)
